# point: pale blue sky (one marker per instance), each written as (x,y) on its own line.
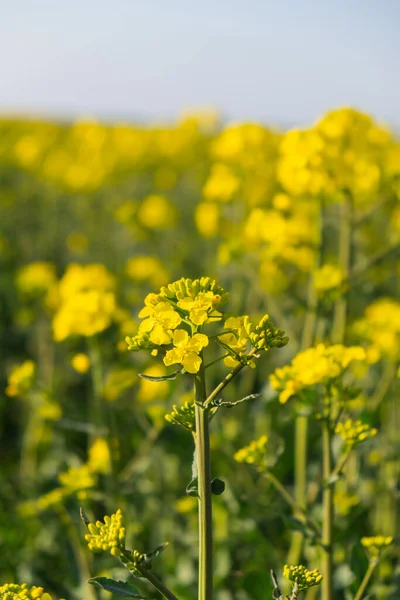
(280,61)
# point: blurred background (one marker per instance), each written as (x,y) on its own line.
(145,141)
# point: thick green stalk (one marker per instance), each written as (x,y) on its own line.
(365,581)
(327,526)
(204,490)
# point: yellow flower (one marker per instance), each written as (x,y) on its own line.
(159,319)
(186,351)
(314,366)
(200,306)
(85,313)
(108,536)
(14,591)
(81,362)
(254,453)
(20,379)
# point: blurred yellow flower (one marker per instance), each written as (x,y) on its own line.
(99,457)
(156,212)
(21,378)
(81,362)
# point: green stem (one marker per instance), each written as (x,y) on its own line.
(327,526)
(157,583)
(301,424)
(226,381)
(204,490)
(96,409)
(365,581)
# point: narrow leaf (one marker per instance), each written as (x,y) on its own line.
(163,378)
(149,557)
(84,517)
(117,587)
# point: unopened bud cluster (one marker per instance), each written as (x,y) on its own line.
(254,453)
(355,432)
(304,578)
(108,536)
(14,591)
(375,545)
(183,415)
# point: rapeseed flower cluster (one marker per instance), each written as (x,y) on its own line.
(354,433)
(304,578)
(15,591)
(319,365)
(254,454)
(108,536)
(85,300)
(176,315)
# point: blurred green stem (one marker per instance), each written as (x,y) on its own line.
(327,525)
(365,581)
(96,409)
(345,242)
(204,489)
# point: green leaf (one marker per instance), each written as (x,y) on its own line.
(217,486)
(117,587)
(154,553)
(164,377)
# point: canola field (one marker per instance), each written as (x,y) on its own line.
(302,226)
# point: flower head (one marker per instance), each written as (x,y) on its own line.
(254,453)
(355,432)
(376,545)
(314,366)
(108,536)
(304,578)
(14,591)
